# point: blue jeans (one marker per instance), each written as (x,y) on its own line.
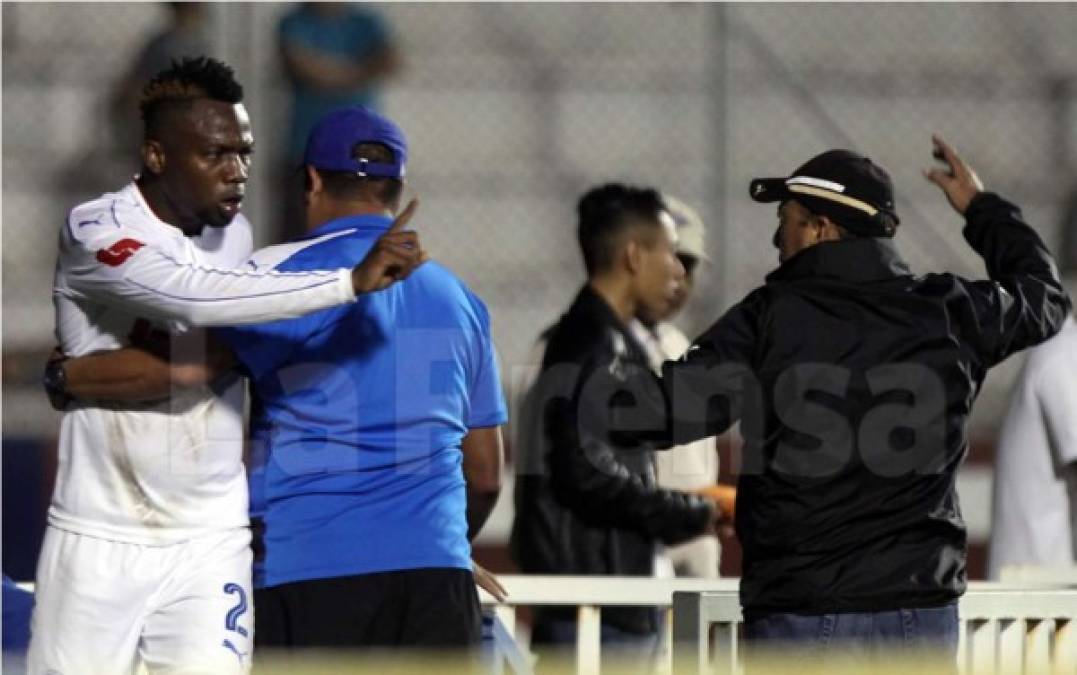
(932,631)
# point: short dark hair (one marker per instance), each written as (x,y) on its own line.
(183,82)
(349,185)
(839,218)
(605,213)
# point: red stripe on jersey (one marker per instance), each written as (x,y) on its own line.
(118,253)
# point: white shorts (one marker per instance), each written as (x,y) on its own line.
(110,607)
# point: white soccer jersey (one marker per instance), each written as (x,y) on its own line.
(163,472)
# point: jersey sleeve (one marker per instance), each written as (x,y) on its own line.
(487,400)
(122,267)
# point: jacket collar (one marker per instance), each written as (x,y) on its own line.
(856,260)
(370,222)
(591,306)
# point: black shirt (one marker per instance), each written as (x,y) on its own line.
(584,504)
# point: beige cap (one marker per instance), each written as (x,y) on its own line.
(690,230)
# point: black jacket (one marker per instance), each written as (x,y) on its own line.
(583,505)
(853,380)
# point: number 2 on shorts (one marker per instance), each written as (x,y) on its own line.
(231,621)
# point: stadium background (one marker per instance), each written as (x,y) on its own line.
(513,110)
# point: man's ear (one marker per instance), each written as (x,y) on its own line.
(828,230)
(153,156)
(314,181)
(633,256)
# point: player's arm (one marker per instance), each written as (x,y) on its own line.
(484,454)
(1024,304)
(122,271)
(589,477)
(483,447)
(145,372)
(699,395)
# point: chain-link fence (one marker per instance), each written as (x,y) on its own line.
(513,110)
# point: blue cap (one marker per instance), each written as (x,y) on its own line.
(330,144)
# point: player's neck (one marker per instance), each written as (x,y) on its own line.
(616,293)
(344,209)
(158,201)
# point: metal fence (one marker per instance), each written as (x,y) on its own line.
(514,109)
(1004,629)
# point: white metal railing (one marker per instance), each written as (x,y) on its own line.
(589,595)
(1005,627)
(1039,574)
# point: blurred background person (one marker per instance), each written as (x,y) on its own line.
(334,54)
(583,505)
(689,467)
(692,466)
(186,33)
(1034,505)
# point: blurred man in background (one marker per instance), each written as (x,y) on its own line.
(334,54)
(586,506)
(1034,514)
(383,449)
(185,35)
(692,466)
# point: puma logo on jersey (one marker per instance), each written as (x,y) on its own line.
(118,253)
(227,644)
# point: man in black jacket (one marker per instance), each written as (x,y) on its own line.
(853,380)
(583,505)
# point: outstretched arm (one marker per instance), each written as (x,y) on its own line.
(702,393)
(591,477)
(113,267)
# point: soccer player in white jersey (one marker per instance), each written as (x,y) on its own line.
(146,558)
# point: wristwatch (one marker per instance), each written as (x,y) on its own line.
(55,382)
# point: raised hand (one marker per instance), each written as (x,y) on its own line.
(394,256)
(958,181)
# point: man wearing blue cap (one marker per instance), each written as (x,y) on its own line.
(380,424)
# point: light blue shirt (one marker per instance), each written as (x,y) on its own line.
(362,410)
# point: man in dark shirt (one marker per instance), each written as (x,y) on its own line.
(584,505)
(853,380)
